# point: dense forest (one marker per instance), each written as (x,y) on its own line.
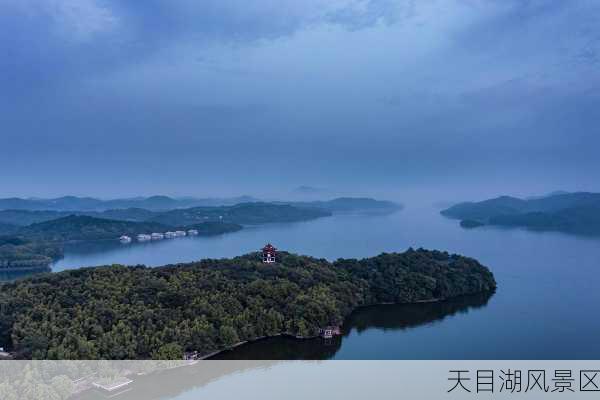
(16,252)
(244,213)
(41,243)
(118,312)
(384,317)
(81,227)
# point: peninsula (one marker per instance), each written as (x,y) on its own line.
(119,312)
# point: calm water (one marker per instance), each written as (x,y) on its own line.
(545,307)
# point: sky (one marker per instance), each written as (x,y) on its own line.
(444,99)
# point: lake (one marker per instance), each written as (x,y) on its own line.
(545,306)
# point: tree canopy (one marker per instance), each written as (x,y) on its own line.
(118,312)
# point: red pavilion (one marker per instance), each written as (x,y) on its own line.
(269,254)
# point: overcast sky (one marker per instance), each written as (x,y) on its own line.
(222,97)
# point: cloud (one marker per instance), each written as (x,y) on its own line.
(79,20)
(556,34)
(384,86)
(56,42)
(71,20)
(363,14)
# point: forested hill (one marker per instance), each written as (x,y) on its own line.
(118,312)
(41,243)
(80,227)
(56,227)
(568,212)
(244,213)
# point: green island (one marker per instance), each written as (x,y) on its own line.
(119,312)
(577,213)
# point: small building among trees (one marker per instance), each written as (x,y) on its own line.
(269,254)
(330,331)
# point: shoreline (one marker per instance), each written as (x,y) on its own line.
(210,355)
(86,384)
(26,269)
(215,353)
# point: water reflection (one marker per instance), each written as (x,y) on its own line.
(385,317)
(405,316)
(97,246)
(171,383)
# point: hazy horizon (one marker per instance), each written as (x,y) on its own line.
(411,199)
(402,100)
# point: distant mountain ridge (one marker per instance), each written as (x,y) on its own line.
(56,228)
(74,203)
(244,213)
(28,217)
(571,212)
(187,215)
(48,230)
(345,204)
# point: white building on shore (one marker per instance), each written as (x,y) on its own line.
(143,237)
